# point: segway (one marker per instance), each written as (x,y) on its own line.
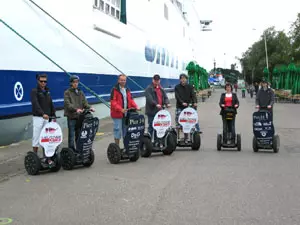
(264,132)
(50,138)
(227,140)
(135,126)
(188,118)
(163,138)
(83,154)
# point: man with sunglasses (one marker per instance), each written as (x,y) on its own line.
(74,104)
(42,108)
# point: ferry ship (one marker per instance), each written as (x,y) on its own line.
(137,37)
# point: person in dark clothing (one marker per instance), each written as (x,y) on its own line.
(185,94)
(228,99)
(42,108)
(74,103)
(256,87)
(156,97)
(265,98)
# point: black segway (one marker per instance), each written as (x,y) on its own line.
(227,140)
(135,126)
(50,138)
(163,138)
(264,132)
(187,120)
(83,154)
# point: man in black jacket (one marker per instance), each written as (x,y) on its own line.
(156,97)
(265,98)
(42,108)
(185,95)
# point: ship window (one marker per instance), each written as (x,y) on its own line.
(149,52)
(166,13)
(172,61)
(101,5)
(96,4)
(163,56)
(167,58)
(158,56)
(113,11)
(110,7)
(106,8)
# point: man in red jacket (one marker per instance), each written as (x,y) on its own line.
(120,101)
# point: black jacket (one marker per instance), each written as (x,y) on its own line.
(42,102)
(185,94)
(152,101)
(265,97)
(235,101)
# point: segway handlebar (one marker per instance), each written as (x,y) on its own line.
(54,117)
(133,110)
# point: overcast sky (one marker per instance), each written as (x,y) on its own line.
(233,22)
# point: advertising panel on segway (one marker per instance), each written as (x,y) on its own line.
(188,118)
(50,138)
(264,132)
(163,137)
(135,127)
(83,154)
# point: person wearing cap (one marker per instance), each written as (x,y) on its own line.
(265,98)
(120,101)
(156,97)
(42,108)
(74,104)
(185,94)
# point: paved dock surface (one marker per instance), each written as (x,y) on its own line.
(189,187)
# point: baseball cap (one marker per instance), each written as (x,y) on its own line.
(156,77)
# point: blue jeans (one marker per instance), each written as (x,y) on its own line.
(73,133)
(150,127)
(119,128)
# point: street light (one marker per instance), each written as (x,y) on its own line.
(266,49)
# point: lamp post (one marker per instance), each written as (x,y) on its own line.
(266,49)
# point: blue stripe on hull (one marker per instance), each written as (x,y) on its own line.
(58,82)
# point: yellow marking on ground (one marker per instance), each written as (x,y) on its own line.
(99,134)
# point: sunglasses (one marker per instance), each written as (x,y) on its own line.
(43,81)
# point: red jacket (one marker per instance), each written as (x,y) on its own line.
(117,103)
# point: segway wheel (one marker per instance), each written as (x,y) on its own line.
(146,147)
(67,158)
(276,143)
(196,144)
(32,163)
(254,144)
(171,144)
(91,159)
(135,157)
(114,153)
(219,142)
(57,161)
(239,142)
